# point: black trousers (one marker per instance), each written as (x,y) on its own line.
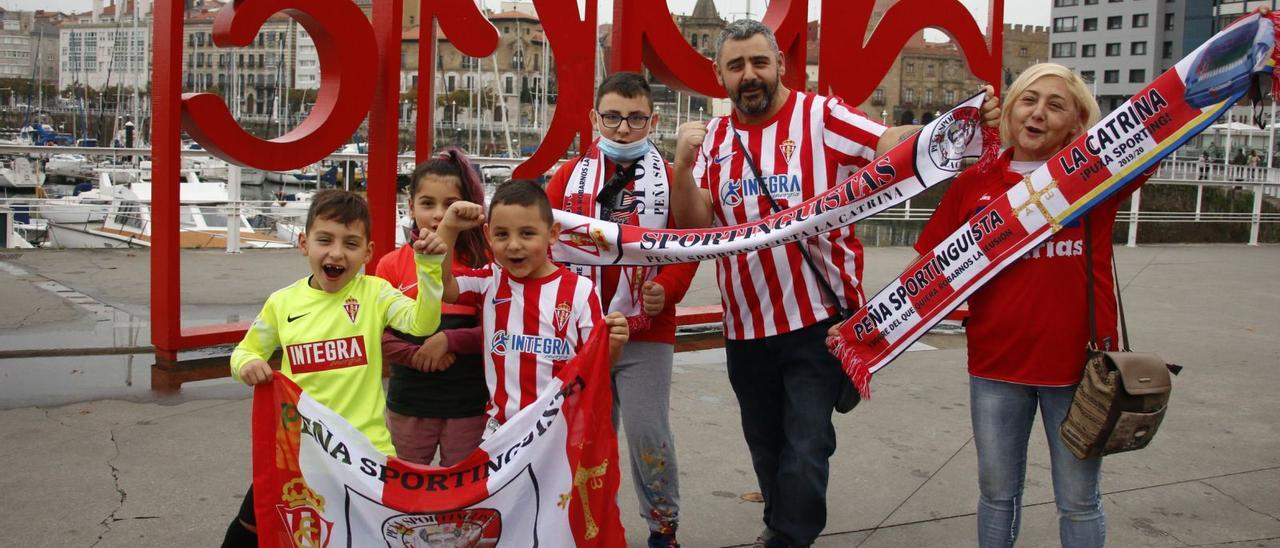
(786,387)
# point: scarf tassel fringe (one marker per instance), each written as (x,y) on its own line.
(990,149)
(859,372)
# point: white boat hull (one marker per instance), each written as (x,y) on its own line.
(288,178)
(21,175)
(94,236)
(90,236)
(69,171)
(73,212)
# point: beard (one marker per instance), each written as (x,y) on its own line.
(755,105)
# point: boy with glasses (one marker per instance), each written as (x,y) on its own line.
(622,178)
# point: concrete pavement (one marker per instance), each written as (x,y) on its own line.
(94,459)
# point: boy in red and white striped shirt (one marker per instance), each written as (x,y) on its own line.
(535,313)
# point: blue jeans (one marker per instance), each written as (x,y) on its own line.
(786,387)
(1002,414)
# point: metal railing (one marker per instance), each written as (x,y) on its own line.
(1175,171)
(120,152)
(1135,216)
(1261,182)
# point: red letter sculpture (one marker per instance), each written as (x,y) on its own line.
(345,46)
(573,43)
(469,32)
(359,67)
(853,71)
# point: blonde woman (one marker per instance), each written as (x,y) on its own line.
(1028,327)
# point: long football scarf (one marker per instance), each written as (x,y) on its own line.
(548,477)
(1175,107)
(931,156)
(647,203)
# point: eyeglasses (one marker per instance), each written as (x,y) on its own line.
(612,120)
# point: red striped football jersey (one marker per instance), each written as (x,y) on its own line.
(531,326)
(813,143)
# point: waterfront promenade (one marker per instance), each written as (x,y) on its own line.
(93,458)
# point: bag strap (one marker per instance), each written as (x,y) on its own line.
(1115,279)
(1093,321)
(1088,292)
(774,207)
(1124,328)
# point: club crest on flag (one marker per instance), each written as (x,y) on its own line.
(585,239)
(352,306)
(952,136)
(787,147)
(473,527)
(301,514)
(562,315)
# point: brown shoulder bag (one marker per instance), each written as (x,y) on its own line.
(1123,396)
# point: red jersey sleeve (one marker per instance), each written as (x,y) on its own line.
(701,162)
(946,217)
(849,136)
(472,284)
(675,279)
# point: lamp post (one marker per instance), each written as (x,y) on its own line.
(699,113)
(884,116)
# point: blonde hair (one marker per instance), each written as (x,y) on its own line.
(1086,104)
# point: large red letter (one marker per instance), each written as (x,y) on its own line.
(644,31)
(345,45)
(853,71)
(573,43)
(469,31)
(384,130)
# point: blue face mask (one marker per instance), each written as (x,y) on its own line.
(623,152)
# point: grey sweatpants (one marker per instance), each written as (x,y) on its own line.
(642,397)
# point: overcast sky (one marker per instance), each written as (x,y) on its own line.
(1034,12)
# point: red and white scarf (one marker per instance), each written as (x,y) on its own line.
(643,203)
(931,156)
(1175,107)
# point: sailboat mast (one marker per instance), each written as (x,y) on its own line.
(289,32)
(136,70)
(39,74)
(35,77)
(500,88)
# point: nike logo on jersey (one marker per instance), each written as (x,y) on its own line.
(291,318)
(723,158)
(497,301)
(407,287)
(984,197)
